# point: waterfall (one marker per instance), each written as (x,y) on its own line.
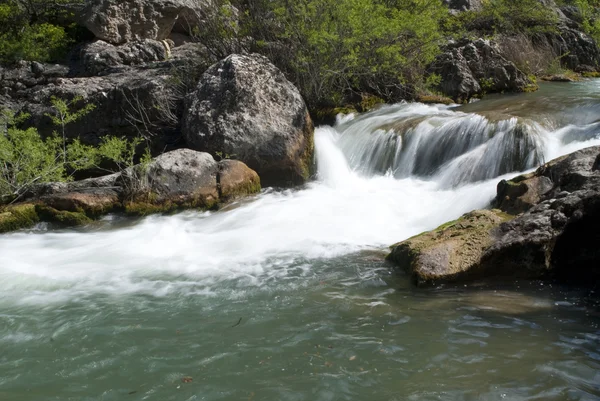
(451,147)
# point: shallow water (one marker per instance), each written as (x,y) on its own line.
(286,296)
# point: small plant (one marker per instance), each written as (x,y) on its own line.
(64,114)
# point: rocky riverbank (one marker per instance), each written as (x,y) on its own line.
(181,179)
(544,226)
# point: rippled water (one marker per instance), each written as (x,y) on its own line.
(286,296)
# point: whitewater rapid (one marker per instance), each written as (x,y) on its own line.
(351,206)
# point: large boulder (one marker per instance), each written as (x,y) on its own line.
(185,178)
(555,236)
(470,68)
(246,108)
(120,21)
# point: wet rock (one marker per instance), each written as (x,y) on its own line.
(521,193)
(235,179)
(555,237)
(450,251)
(470,68)
(245,108)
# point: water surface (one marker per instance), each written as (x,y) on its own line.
(286,296)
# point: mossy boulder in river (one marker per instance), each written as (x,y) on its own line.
(450,251)
(555,236)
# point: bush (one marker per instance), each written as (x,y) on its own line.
(36,30)
(27,159)
(337,51)
(511,17)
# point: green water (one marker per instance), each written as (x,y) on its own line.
(343,329)
(286,296)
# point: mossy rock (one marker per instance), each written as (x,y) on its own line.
(434,99)
(16,217)
(450,251)
(592,74)
(61,217)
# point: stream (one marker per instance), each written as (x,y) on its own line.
(286,295)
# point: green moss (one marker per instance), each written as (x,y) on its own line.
(434,99)
(61,217)
(368,102)
(594,74)
(530,88)
(145,206)
(17,217)
(248,188)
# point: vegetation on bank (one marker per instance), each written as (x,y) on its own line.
(339,52)
(27,159)
(38,30)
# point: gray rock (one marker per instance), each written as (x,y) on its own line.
(121,21)
(469,68)
(186,178)
(99,56)
(556,237)
(464,5)
(246,108)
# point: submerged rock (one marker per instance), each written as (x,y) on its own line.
(555,236)
(246,108)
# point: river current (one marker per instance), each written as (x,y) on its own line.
(286,296)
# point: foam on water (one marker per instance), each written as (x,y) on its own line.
(374,187)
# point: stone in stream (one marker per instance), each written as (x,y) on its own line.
(175,180)
(245,107)
(555,236)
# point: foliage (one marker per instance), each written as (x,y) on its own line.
(511,17)
(27,159)
(64,115)
(335,51)
(36,30)
(589,15)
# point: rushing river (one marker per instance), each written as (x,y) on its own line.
(286,296)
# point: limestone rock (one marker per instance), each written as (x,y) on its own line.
(556,236)
(246,108)
(99,56)
(185,178)
(469,68)
(450,251)
(121,21)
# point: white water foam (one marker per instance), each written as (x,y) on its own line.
(343,211)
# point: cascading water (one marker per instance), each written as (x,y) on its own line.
(286,297)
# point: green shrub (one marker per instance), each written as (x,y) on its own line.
(511,17)
(27,159)
(36,30)
(335,51)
